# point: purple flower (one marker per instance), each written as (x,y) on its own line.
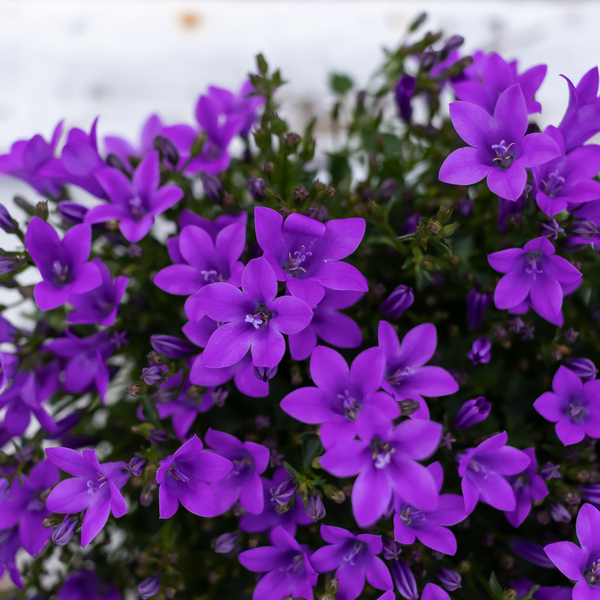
(483,470)
(203,261)
(568,178)
(535,274)
(499,148)
(269,519)
(527,486)
(86,585)
(328,324)
(580,564)
(405,89)
(341,394)
(405,373)
(398,301)
(354,559)
(62,264)
(94,487)
(385,460)
(10,543)
(153,374)
(86,358)
(184,477)
(584,368)
(134,203)
(472,412)
(243,481)
(551,229)
(254,319)
(477,302)
(307,254)
(99,305)
(495,76)
(582,118)
(574,407)
(287,567)
(25,506)
(429,526)
(79,162)
(26,158)
(481,351)
(434,592)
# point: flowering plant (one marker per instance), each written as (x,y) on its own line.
(275,374)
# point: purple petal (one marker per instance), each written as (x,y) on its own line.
(222,302)
(434,592)
(198,498)
(568,431)
(71,495)
(371,494)
(105,212)
(464,167)
(347,459)
(302,344)
(496,491)
(268,347)
(328,369)
(546,295)
(48,297)
(568,558)
(251,496)
(472,123)
(95,519)
(258,281)
(538,148)
(196,247)
(508,184)
(510,113)
(134,231)
(263,559)
(180,280)
(437,538)
(116,185)
(168,503)
(566,384)
(307,406)
(342,276)
(504,261)
(414,483)
(429,381)
(292,315)
(388,340)
(511,290)
(88,278)
(147,176)
(70,461)
(418,345)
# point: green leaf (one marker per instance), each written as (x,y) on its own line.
(495,587)
(150,411)
(340,84)
(291,470)
(529,594)
(312,447)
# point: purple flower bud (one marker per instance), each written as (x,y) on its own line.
(113,161)
(559,513)
(62,534)
(284,492)
(169,151)
(157,436)
(551,229)
(571,335)
(172,347)
(7,265)
(388,188)
(447,441)
(317,212)
(450,580)
(453,43)
(591,493)
(586,230)
(314,507)
(583,368)
(481,351)
(391,550)
(409,407)
(516,325)
(256,185)
(429,58)
(6,221)
(218,396)
(262,422)
(275,459)
(534,553)
(225,543)
(527,333)
(398,301)
(135,467)
(477,302)
(149,587)
(410,224)
(152,375)
(120,339)
(465,207)
(71,211)
(134,251)
(212,187)
(146,496)
(550,471)
(265,373)
(404,579)
(405,89)
(472,412)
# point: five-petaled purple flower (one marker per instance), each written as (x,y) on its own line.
(573,405)
(354,558)
(94,487)
(481,351)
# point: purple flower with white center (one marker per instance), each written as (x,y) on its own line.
(243,482)
(498,147)
(10,543)
(429,526)
(341,394)
(404,579)
(253,318)
(307,254)
(204,261)
(99,305)
(584,368)
(477,302)
(451,580)
(79,162)
(527,486)
(472,412)
(582,118)
(481,351)
(496,76)
(86,367)
(434,592)
(398,301)
(26,395)
(184,477)
(568,178)
(573,405)
(405,89)
(287,567)
(86,585)
(25,506)
(354,558)
(385,460)
(328,324)
(406,375)
(532,273)
(62,264)
(269,519)
(149,587)
(134,203)
(26,158)
(483,470)
(581,564)
(94,488)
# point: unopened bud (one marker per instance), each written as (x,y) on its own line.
(62,535)
(314,507)
(334,493)
(409,407)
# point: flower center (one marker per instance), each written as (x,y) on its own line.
(136,206)
(411,514)
(241,467)
(503,158)
(479,469)
(554,184)
(94,486)
(295,565)
(401,374)
(349,404)
(298,258)
(592,575)
(211,276)
(36,503)
(535,263)
(260,318)
(179,476)
(575,410)
(218,396)
(382,453)
(351,555)
(520,482)
(60,272)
